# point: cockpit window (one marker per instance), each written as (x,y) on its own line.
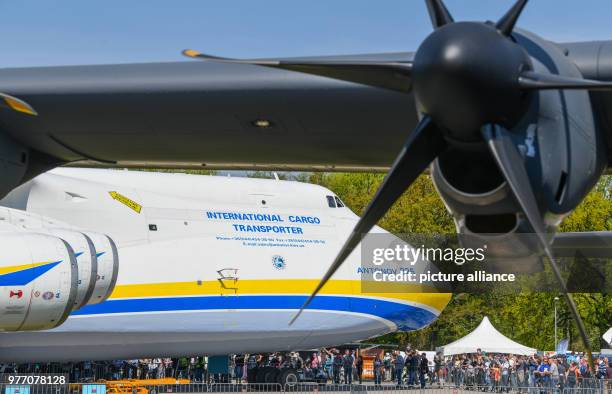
(338,202)
(331,202)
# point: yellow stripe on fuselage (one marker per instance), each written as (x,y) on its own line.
(17,268)
(410,293)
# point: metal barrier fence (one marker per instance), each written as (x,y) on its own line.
(595,386)
(245,387)
(161,388)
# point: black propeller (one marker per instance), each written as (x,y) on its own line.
(394,75)
(438,13)
(469,94)
(506,24)
(536,81)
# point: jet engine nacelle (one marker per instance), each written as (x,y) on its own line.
(95,256)
(108,266)
(38,280)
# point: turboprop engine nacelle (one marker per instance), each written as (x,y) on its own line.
(94,257)
(485,212)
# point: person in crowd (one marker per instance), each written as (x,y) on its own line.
(359,368)
(315,363)
(412,361)
(495,375)
(585,374)
(438,371)
(585,370)
(470,375)
(543,374)
(347,364)
(571,376)
(198,372)
(252,365)
(132,369)
(456,368)
(296,361)
(423,369)
(533,366)
(399,368)
(338,362)
(554,375)
(602,368)
(153,366)
(561,367)
(239,367)
(387,366)
(504,366)
(378,369)
(479,373)
(329,366)
(512,379)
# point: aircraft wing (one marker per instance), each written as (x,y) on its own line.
(215,115)
(211,115)
(590,244)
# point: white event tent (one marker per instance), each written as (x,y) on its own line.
(608,336)
(488,339)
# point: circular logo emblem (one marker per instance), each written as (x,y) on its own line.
(37,294)
(47,295)
(278,262)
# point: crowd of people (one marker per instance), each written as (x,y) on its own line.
(499,373)
(339,367)
(193,369)
(410,368)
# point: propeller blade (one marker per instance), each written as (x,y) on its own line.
(391,75)
(531,80)
(510,163)
(571,304)
(506,23)
(423,145)
(17,104)
(438,13)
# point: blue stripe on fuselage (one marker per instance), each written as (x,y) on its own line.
(406,317)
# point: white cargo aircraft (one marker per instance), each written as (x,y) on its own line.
(190,265)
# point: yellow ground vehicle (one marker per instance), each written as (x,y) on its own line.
(139,386)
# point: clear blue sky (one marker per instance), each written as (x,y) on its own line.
(57,32)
